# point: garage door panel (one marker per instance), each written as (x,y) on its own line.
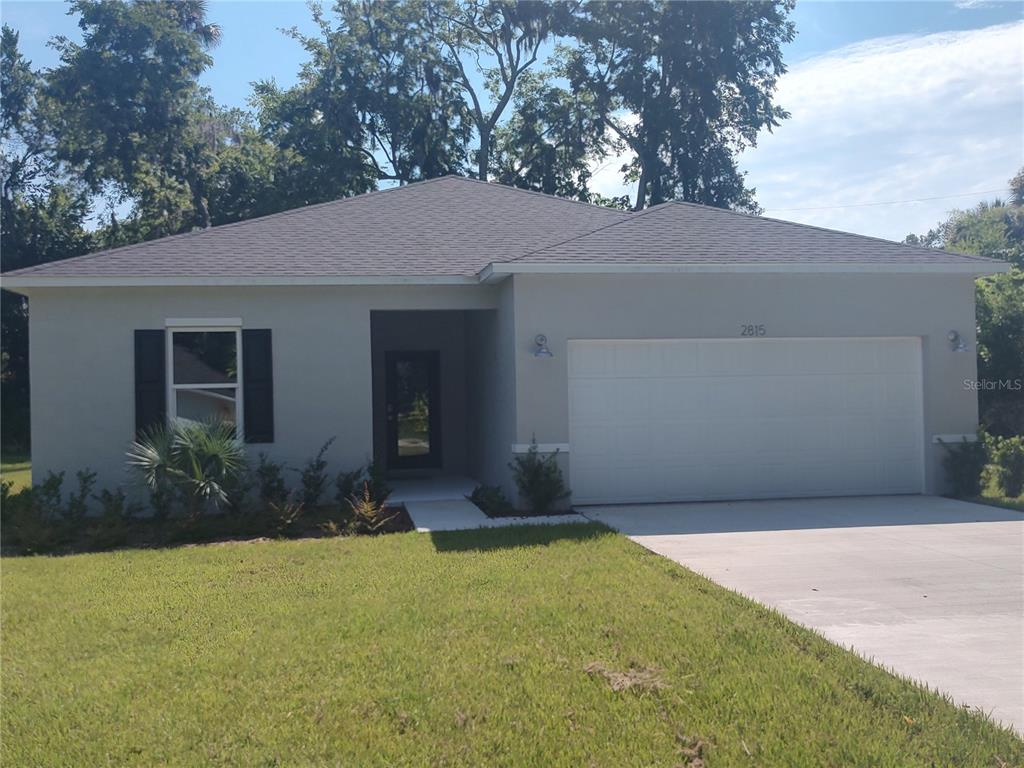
(714,419)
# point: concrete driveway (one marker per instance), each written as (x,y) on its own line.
(931,588)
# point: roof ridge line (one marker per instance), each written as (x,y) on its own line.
(545,195)
(631,217)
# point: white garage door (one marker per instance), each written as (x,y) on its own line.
(685,419)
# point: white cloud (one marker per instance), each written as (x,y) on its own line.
(892,118)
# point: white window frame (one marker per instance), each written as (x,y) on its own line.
(204,325)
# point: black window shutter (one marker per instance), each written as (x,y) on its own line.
(258,385)
(150,379)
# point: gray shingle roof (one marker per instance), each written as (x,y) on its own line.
(445,226)
(455,227)
(686,233)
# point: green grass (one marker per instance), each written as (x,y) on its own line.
(16,470)
(992,496)
(467,648)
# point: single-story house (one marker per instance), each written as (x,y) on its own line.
(678,353)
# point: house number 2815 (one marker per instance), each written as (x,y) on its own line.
(749,329)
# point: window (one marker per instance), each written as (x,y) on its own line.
(205,372)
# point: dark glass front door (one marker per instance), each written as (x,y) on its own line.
(413,397)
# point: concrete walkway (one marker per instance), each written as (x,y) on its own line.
(438,503)
(931,588)
(460,514)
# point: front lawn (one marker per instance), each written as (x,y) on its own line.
(16,470)
(525,646)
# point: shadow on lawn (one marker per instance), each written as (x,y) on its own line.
(513,536)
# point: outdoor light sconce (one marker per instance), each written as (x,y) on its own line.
(956,343)
(541,346)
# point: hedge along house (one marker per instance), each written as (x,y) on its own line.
(678,353)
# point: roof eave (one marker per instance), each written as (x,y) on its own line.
(496,272)
(18,282)
(500,270)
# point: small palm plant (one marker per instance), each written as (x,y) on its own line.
(199,460)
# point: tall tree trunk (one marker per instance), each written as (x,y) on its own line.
(484,157)
(641,189)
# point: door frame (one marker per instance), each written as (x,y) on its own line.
(434,458)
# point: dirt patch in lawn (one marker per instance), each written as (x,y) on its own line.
(636,678)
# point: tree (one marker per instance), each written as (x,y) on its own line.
(507,32)
(685,86)
(996,230)
(42,215)
(375,102)
(550,140)
(130,110)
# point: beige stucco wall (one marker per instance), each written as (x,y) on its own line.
(81,346)
(568,307)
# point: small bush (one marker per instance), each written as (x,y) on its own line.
(115,504)
(491,499)
(346,484)
(270,481)
(236,494)
(539,479)
(314,477)
(378,479)
(1008,462)
(112,526)
(32,518)
(369,515)
(964,463)
(47,498)
(78,502)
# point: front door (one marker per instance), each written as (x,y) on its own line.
(412,381)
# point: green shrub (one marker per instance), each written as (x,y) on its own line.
(378,479)
(236,492)
(197,459)
(491,499)
(1008,461)
(539,479)
(270,481)
(314,477)
(346,484)
(47,497)
(112,526)
(33,517)
(78,502)
(964,463)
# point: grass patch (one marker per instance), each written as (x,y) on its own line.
(992,496)
(550,645)
(17,470)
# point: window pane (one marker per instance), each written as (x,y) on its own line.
(205,357)
(412,379)
(205,404)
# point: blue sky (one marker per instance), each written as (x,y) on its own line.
(890,101)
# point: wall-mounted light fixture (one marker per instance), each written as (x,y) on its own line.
(956,342)
(540,342)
